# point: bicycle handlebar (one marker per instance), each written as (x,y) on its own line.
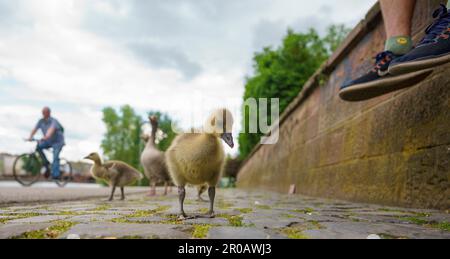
(31,140)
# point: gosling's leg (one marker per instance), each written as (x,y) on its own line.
(111,197)
(165,188)
(181,196)
(122,193)
(212,195)
(152,189)
(201,190)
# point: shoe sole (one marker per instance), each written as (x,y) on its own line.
(412,66)
(380,87)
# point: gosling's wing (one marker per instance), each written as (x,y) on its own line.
(122,168)
(113,170)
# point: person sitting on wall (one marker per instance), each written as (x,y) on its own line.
(400,63)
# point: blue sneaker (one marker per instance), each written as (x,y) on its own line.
(432,51)
(378,81)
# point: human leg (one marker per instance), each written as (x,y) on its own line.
(55,165)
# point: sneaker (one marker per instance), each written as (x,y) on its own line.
(433,50)
(378,81)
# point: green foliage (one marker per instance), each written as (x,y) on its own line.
(31,164)
(200,231)
(336,34)
(52,232)
(122,139)
(282,72)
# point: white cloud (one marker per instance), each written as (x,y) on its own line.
(75,56)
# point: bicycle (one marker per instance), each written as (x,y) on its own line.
(29,168)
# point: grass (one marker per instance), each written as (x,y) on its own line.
(304,211)
(419,220)
(287,216)
(233,220)
(148,213)
(294,233)
(416,220)
(70,213)
(18,216)
(444,226)
(203,210)
(316,224)
(200,231)
(102,208)
(388,236)
(245,210)
(263,207)
(170,219)
(223,205)
(51,232)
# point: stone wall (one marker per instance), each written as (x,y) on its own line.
(392,150)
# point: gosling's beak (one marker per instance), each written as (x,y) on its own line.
(228,138)
(87,158)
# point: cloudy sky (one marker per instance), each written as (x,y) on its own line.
(78,56)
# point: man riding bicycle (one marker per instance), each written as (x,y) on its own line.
(53,138)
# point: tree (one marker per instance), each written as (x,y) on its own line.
(122,138)
(335,36)
(281,73)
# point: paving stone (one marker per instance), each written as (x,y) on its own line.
(22,212)
(6,217)
(237,233)
(356,230)
(271,223)
(153,219)
(119,230)
(92,217)
(329,218)
(13,230)
(208,221)
(37,219)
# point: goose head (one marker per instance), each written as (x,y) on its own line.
(153,120)
(94,157)
(220,124)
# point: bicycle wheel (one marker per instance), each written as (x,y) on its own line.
(65,170)
(27,169)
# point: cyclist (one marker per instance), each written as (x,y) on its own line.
(53,138)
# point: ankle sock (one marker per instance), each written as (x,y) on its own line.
(399,45)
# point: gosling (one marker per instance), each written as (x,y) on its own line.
(153,160)
(198,158)
(116,173)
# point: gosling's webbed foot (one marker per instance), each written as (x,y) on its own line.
(182,217)
(185,217)
(211,214)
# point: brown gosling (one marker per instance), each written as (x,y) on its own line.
(198,158)
(116,173)
(153,160)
